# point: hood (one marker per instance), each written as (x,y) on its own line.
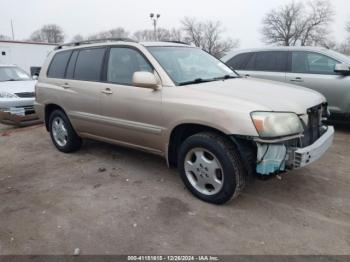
(271,95)
(18,86)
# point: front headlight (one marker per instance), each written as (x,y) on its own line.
(273,124)
(4,94)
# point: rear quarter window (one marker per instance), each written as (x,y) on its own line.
(58,64)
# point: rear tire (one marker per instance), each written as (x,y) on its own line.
(62,133)
(211,168)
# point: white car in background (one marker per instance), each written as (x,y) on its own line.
(17,95)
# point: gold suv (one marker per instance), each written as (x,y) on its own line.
(179,102)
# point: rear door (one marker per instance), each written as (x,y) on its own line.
(316,71)
(271,65)
(81,89)
(132,115)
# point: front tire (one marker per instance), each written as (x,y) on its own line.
(62,133)
(211,167)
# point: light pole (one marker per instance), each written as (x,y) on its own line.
(154,19)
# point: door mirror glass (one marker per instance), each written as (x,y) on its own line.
(342,69)
(145,80)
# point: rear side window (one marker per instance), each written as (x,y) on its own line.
(58,65)
(272,61)
(239,62)
(89,64)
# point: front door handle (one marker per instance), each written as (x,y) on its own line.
(297,79)
(107,91)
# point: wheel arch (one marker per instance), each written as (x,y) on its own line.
(49,108)
(182,131)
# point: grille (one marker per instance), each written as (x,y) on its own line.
(25,94)
(27,109)
(312,130)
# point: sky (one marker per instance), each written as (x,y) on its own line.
(241,19)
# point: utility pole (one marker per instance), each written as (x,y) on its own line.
(154,19)
(13,34)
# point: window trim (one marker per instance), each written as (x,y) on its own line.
(307,73)
(75,62)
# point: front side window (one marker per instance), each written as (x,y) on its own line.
(89,63)
(11,73)
(312,63)
(58,64)
(123,63)
(186,64)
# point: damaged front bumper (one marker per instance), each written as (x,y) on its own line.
(277,156)
(18,115)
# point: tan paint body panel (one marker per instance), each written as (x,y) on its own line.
(144,118)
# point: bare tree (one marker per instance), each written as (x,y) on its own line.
(163,34)
(77,38)
(207,35)
(314,27)
(297,24)
(343,48)
(118,32)
(144,35)
(48,33)
(280,26)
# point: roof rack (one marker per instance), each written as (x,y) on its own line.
(176,42)
(86,42)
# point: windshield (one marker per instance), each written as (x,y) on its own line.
(188,65)
(12,73)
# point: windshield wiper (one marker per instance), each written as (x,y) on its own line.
(196,81)
(225,77)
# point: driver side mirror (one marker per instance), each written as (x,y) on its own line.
(342,69)
(145,80)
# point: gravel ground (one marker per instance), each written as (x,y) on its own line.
(53,203)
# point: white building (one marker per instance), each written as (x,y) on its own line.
(27,55)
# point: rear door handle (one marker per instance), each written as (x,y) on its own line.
(107,91)
(297,79)
(247,75)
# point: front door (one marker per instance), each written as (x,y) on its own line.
(316,71)
(132,115)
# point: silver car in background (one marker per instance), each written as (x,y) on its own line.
(17,95)
(320,69)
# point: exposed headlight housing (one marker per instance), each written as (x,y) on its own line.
(276,124)
(4,94)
